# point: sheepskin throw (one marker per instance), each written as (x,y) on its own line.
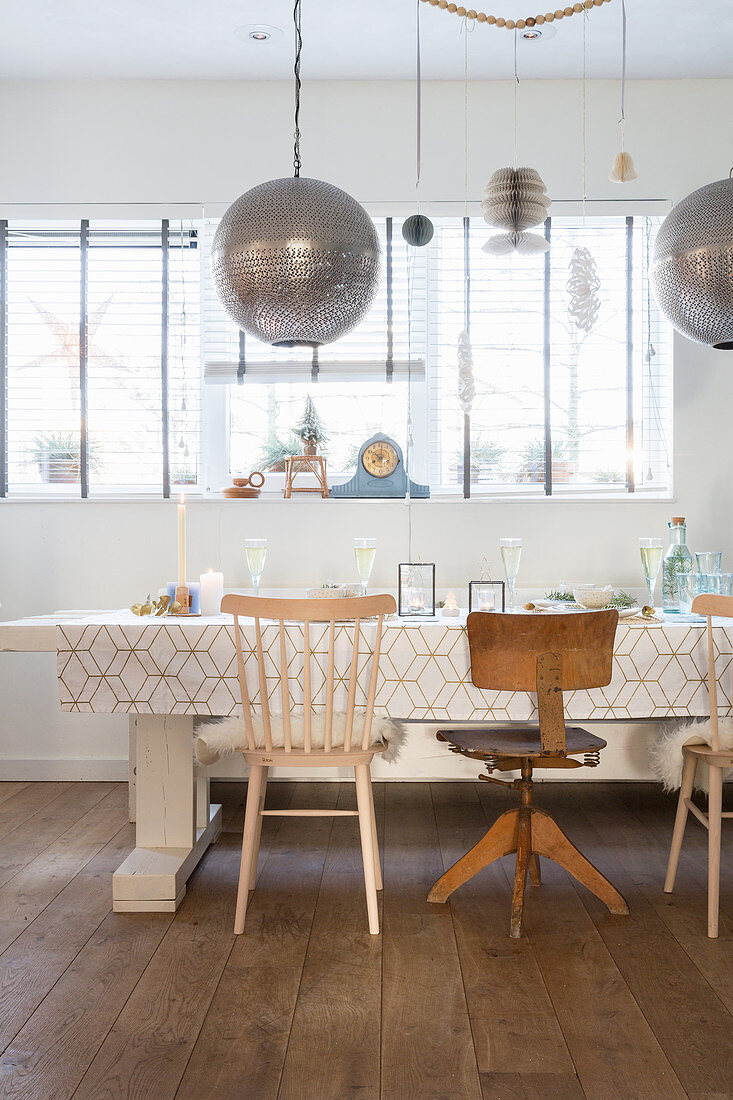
(224,737)
(665,752)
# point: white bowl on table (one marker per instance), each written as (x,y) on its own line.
(591,597)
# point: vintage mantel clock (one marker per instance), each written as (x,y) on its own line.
(380,472)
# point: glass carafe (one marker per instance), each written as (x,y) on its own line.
(678,559)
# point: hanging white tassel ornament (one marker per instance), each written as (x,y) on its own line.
(523,244)
(466,382)
(583,286)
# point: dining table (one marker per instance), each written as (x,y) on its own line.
(167,673)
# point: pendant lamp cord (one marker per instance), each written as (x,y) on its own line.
(622,120)
(516,86)
(296,71)
(418,118)
(584,116)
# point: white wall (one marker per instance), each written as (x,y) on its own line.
(169,142)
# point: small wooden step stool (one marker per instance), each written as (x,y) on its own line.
(305,464)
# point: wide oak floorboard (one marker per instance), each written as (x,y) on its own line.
(442,1004)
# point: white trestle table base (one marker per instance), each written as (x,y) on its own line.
(165,672)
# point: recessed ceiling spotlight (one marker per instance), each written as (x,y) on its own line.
(537,34)
(257,32)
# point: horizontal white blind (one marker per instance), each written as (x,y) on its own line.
(102,329)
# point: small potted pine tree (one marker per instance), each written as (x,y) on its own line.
(309,429)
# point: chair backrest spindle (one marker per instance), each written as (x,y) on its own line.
(369,713)
(285,689)
(262,679)
(351,700)
(246,706)
(328,736)
(307,697)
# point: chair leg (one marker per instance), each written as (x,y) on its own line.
(251,817)
(364,805)
(524,842)
(688,778)
(535,875)
(549,840)
(258,834)
(715,810)
(375,839)
(500,840)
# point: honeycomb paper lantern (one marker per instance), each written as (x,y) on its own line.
(418,230)
(515,200)
(692,265)
(296,262)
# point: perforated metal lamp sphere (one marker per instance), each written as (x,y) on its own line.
(692,265)
(296,262)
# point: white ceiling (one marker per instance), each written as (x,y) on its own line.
(350,40)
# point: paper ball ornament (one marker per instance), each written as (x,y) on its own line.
(418,230)
(515,200)
(296,262)
(692,265)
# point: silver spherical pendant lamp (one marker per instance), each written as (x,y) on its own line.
(296,261)
(692,265)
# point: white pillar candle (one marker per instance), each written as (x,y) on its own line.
(212,591)
(181,543)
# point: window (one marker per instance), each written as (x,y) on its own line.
(100,354)
(105,326)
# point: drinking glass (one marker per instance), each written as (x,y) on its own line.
(720,584)
(256,551)
(364,551)
(689,585)
(709,561)
(651,560)
(511,552)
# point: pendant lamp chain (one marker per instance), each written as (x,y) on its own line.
(296,72)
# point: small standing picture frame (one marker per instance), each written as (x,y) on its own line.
(416,587)
(486,596)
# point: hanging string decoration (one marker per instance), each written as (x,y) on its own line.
(512,24)
(296,262)
(583,286)
(622,169)
(418,229)
(466,380)
(515,200)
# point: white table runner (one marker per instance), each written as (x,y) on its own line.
(113,662)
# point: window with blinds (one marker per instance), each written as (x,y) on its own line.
(100,357)
(117,360)
(557,409)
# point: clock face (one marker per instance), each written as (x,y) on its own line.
(380,459)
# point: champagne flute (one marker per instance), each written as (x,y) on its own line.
(364,551)
(511,552)
(651,559)
(256,552)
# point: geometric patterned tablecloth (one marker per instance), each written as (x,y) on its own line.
(114,663)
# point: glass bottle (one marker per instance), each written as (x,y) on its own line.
(678,559)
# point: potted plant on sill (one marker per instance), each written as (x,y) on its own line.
(532,468)
(274,454)
(58,456)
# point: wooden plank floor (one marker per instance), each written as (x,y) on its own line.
(306,1005)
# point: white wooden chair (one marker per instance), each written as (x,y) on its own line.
(717,760)
(354,748)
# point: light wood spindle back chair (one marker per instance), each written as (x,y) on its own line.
(717,760)
(545,654)
(355,748)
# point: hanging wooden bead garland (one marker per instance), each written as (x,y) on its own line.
(511,24)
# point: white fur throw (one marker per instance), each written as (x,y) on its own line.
(665,752)
(226,736)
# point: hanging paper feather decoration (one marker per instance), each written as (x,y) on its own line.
(466,383)
(515,199)
(583,286)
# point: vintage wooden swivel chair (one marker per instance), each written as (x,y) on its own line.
(546,654)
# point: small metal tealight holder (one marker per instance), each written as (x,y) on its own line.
(486,595)
(416,587)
